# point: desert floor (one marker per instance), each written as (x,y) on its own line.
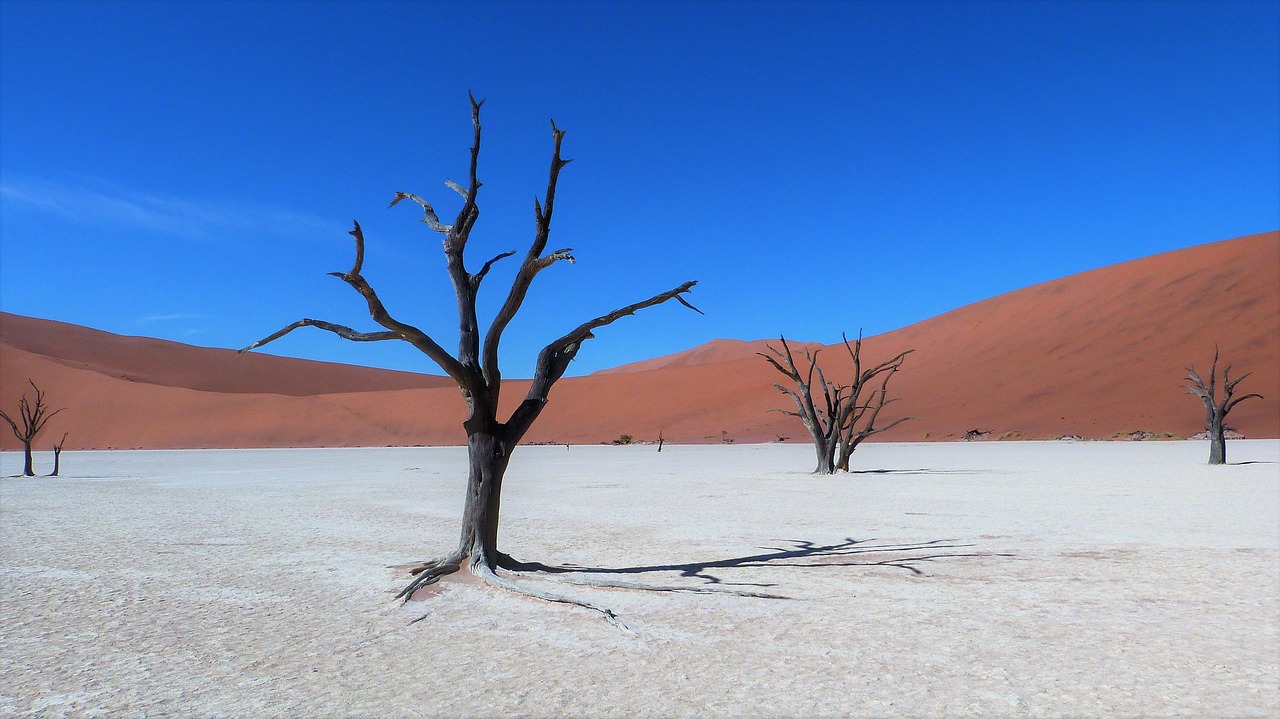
(985,579)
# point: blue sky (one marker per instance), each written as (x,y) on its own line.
(190,170)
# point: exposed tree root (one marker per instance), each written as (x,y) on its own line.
(847,553)
(430,573)
(491,578)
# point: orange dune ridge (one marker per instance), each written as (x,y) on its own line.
(1099,354)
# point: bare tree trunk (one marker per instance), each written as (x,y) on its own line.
(475,368)
(57,454)
(825,446)
(847,447)
(27,466)
(488,458)
(821,421)
(1217,441)
(826,461)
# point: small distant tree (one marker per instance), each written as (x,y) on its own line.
(843,417)
(57,454)
(1216,408)
(32,417)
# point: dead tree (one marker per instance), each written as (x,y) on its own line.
(822,420)
(32,418)
(844,417)
(57,454)
(860,421)
(490,441)
(1216,409)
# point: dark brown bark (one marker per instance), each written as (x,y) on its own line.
(32,418)
(475,367)
(487,457)
(1216,409)
(823,420)
(57,454)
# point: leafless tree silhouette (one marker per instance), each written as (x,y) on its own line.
(57,454)
(845,415)
(33,418)
(860,423)
(490,441)
(1216,409)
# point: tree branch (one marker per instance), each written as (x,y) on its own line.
(792,373)
(456,188)
(397,329)
(554,359)
(409,333)
(1198,388)
(429,213)
(890,426)
(534,262)
(1231,405)
(340,330)
(12,424)
(686,303)
(33,417)
(569,342)
(800,412)
(475,279)
(1229,385)
(40,418)
(543,263)
(470,212)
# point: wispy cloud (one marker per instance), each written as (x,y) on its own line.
(180,317)
(99,203)
(176,326)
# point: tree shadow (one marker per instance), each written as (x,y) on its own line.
(797,553)
(926,471)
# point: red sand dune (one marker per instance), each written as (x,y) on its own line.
(172,364)
(1096,354)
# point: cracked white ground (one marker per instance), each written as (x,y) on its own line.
(987,579)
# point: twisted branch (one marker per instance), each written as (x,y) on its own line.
(395,328)
(429,213)
(341,330)
(33,417)
(554,359)
(1207,391)
(534,262)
